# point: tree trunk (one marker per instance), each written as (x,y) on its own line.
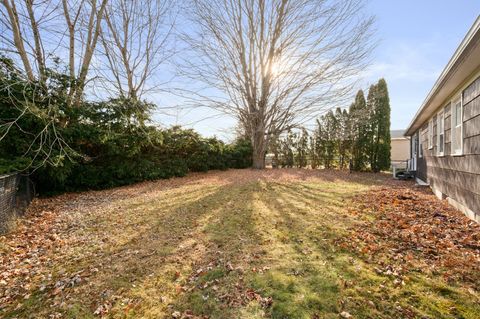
(258,144)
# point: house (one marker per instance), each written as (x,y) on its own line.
(400,148)
(445,132)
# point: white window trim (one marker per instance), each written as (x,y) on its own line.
(413,153)
(430,134)
(420,144)
(440,116)
(454,103)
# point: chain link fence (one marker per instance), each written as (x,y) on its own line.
(16,192)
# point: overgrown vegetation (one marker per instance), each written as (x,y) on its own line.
(96,144)
(358,138)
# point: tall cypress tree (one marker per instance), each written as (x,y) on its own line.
(343,137)
(382,129)
(325,139)
(302,148)
(360,126)
(372,126)
(331,128)
(313,152)
(320,140)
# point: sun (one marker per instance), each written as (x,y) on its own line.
(277,67)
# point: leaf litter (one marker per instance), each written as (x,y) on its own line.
(398,227)
(412,230)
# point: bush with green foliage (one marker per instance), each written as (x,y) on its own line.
(96,145)
(30,118)
(115,154)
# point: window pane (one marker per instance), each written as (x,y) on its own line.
(441,144)
(420,145)
(458,114)
(430,133)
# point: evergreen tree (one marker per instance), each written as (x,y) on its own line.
(274,147)
(320,141)
(301,149)
(373,125)
(331,136)
(382,127)
(313,152)
(326,139)
(287,157)
(359,126)
(343,137)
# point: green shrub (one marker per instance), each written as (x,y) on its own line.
(240,154)
(96,145)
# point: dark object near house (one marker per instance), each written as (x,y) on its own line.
(404,175)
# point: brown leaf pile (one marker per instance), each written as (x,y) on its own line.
(40,239)
(27,251)
(414,230)
(30,253)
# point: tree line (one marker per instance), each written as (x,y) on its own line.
(357,138)
(77,78)
(96,144)
(270,64)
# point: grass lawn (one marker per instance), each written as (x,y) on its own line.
(241,244)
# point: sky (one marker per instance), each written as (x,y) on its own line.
(416,39)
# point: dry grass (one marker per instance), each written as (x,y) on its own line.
(235,244)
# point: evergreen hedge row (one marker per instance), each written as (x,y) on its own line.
(96,145)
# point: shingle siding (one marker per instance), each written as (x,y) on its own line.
(457,177)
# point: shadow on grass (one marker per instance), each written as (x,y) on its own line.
(200,248)
(304,275)
(148,252)
(218,291)
(304,282)
(326,279)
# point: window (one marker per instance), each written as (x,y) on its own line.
(457,127)
(458,113)
(413,151)
(440,133)
(430,134)
(420,144)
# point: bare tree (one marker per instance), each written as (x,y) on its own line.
(135,36)
(22,34)
(83,19)
(38,33)
(36,30)
(276,63)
